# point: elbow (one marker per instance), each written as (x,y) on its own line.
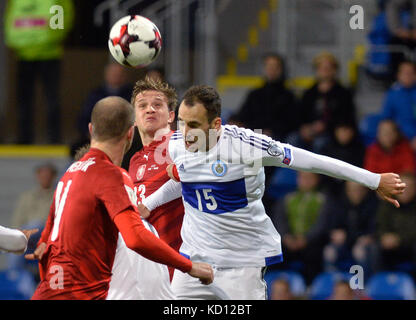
(134,244)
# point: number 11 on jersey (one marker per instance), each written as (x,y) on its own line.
(59,207)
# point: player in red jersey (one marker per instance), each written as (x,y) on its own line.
(93,202)
(154,103)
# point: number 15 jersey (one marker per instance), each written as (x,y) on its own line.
(225,222)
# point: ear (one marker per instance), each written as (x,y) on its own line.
(130,133)
(90,128)
(171,117)
(217,122)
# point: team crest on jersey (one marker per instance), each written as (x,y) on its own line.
(274,149)
(140,172)
(219,168)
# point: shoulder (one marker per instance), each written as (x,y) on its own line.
(109,175)
(177,135)
(175,143)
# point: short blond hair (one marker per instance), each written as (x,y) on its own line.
(325,55)
(149,84)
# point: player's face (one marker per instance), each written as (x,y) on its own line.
(152,112)
(196,129)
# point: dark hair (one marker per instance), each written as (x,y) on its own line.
(207,96)
(412,63)
(149,84)
(111,118)
(278,57)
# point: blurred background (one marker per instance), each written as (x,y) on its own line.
(294,68)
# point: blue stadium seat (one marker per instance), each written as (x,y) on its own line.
(368,128)
(323,285)
(391,286)
(283,181)
(295,280)
(16,285)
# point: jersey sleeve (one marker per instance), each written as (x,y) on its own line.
(117,192)
(12,240)
(170,191)
(268,152)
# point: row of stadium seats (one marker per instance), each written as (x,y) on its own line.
(381,286)
(19,285)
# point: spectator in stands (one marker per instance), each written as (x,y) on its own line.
(115,84)
(391,152)
(396,228)
(33,205)
(345,145)
(401,22)
(32,210)
(296,219)
(155,73)
(271,107)
(281,290)
(326,103)
(343,291)
(350,220)
(400,101)
(39,49)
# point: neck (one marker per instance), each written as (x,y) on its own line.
(114,151)
(149,137)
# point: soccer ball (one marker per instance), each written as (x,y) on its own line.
(135,41)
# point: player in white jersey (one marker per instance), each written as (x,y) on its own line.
(221,170)
(13,240)
(136,278)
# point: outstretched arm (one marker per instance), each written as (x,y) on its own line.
(387,185)
(14,240)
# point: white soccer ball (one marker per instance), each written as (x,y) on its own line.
(135,41)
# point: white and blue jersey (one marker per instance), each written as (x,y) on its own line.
(225,223)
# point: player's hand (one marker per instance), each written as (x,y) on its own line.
(29,232)
(144,212)
(203,271)
(173,172)
(38,253)
(390,185)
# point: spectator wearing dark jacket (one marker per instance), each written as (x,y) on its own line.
(396,227)
(326,103)
(271,107)
(345,145)
(391,152)
(115,84)
(350,221)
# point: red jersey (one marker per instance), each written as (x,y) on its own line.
(80,232)
(148,172)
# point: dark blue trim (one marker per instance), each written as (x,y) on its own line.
(250,142)
(245,136)
(185,255)
(273,259)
